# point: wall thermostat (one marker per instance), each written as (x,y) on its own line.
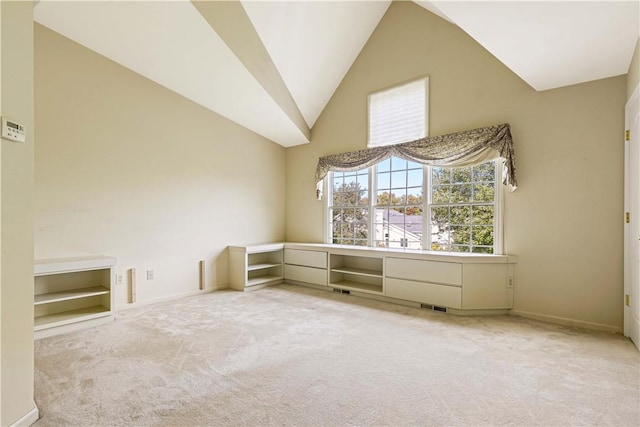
(13,131)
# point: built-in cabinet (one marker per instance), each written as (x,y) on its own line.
(455,282)
(255,265)
(305,266)
(356,272)
(70,293)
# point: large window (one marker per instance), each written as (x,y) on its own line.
(402,204)
(349,208)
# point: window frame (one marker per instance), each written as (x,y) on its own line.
(498,224)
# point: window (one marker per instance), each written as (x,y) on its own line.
(462,208)
(399,204)
(399,114)
(349,208)
(386,206)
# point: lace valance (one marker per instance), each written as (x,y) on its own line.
(455,150)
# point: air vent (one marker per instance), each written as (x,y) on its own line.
(341,291)
(433,307)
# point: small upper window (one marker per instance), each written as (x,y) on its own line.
(399,114)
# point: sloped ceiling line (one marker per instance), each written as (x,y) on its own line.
(272,66)
(234,27)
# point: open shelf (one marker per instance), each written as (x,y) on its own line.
(262,279)
(69,295)
(359,286)
(358,271)
(262,266)
(72,290)
(254,265)
(68,317)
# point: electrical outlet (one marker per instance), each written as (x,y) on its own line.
(510,283)
(149,274)
(119,279)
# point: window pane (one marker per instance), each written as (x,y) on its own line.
(414,196)
(484,172)
(460,235)
(461,175)
(399,179)
(396,216)
(460,215)
(363,199)
(461,193)
(415,178)
(399,197)
(440,194)
(482,235)
(440,176)
(440,215)
(483,215)
(482,250)
(383,198)
(363,182)
(398,164)
(484,192)
(384,166)
(384,181)
(414,165)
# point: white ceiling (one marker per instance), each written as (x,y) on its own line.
(310,46)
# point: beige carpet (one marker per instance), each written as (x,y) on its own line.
(288,355)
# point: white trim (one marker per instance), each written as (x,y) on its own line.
(327,190)
(171,297)
(498,209)
(28,418)
(627,286)
(567,322)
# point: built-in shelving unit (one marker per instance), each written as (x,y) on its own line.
(71,293)
(460,283)
(255,265)
(354,272)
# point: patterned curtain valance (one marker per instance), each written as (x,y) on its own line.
(455,149)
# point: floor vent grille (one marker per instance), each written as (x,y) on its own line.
(433,307)
(341,291)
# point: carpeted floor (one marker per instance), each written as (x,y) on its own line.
(288,355)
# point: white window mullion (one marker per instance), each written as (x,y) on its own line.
(372,192)
(498,216)
(426,207)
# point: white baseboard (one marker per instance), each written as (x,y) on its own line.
(28,418)
(170,297)
(568,322)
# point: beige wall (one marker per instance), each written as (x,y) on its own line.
(564,222)
(16,213)
(130,169)
(633,77)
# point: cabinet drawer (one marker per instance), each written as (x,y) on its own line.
(425,271)
(305,258)
(428,293)
(316,276)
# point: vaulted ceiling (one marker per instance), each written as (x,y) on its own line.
(272,66)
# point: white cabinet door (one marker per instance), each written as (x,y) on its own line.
(449,273)
(428,293)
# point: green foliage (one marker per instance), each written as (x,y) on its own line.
(466,211)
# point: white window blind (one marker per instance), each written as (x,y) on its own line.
(398,114)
